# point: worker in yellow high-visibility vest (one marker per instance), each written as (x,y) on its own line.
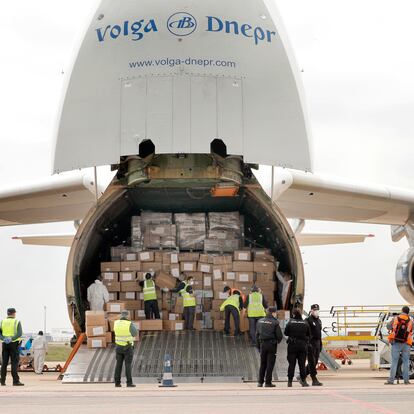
(232,306)
(11,334)
(150,298)
(125,331)
(189,303)
(256,305)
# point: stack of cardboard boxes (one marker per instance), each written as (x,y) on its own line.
(97,330)
(220,261)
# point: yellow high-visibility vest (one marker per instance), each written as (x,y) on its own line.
(255,308)
(233,300)
(123,335)
(9,328)
(149,290)
(188,300)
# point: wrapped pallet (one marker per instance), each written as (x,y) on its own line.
(136,232)
(191,230)
(158,236)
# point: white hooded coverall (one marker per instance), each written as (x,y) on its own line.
(98,295)
(39,346)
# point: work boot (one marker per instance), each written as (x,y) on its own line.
(289,384)
(259,385)
(407,382)
(131,385)
(18,384)
(3,384)
(388,383)
(270,385)
(303,383)
(316,382)
(118,385)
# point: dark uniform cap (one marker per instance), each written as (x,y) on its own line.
(11,311)
(272,309)
(315,307)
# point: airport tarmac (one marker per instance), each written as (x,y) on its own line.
(353,390)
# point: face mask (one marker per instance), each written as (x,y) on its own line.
(315,313)
(191,282)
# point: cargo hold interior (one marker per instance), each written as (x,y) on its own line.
(113,225)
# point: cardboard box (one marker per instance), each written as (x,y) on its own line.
(215,304)
(110,266)
(242,255)
(230,276)
(112,286)
(178,306)
(188,266)
(151,267)
(174,316)
(164,280)
(222,260)
(198,325)
(96,330)
(112,317)
(95,318)
(244,277)
(130,287)
(146,256)
(134,266)
(175,270)
(127,276)
(110,276)
(189,257)
(218,325)
(132,305)
(205,267)
(150,325)
(220,295)
(109,338)
(206,258)
(130,257)
(113,296)
(217,273)
(128,296)
(158,257)
(115,307)
(207,304)
(97,342)
(216,315)
(243,266)
(244,325)
(139,314)
(264,267)
(207,282)
(264,277)
(219,285)
(173,325)
(169,257)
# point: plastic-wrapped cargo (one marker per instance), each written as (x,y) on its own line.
(225,221)
(136,232)
(190,218)
(118,252)
(158,236)
(153,218)
(220,245)
(191,237)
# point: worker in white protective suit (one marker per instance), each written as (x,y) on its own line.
(39,347)
(98,295)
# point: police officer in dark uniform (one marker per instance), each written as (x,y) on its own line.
(315,343)
(268,335)
(298,332)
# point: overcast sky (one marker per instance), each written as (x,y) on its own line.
(358,70)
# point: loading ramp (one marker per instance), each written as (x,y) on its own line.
(197,356)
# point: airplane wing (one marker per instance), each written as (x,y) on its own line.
(320,239)
(317,197)
(63,240)
(65,197)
